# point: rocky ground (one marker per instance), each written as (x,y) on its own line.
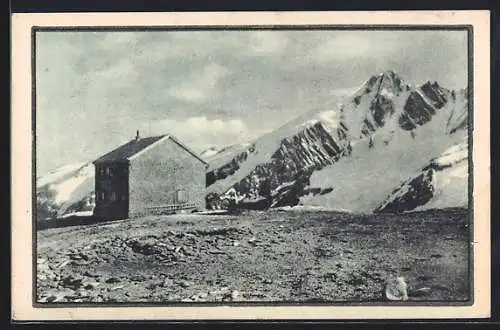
(256,256)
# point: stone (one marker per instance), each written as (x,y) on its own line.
(216,252)
(184,284)
(71,282)
(89,274)
(91,285)
(41,277)
(64,263)
(112,280)
(396,289)
(235,295)
(117,287)
(138,278)
(421,292)
(168,282)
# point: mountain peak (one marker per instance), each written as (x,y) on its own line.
(432,84)
(389,73)
(388,82)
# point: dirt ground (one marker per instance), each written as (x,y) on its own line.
(299,256)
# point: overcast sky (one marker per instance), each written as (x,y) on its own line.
(213,88)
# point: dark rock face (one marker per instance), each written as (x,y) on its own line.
(291,165)
(311,147)
(416,112)
(381,107)
(435,93)
(420,191)
(229,168)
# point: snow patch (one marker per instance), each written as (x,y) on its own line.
(451,188)
(77,214)
(453,155)
(58,173)
(387,94)
(66,189)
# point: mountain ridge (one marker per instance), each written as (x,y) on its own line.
(311,159)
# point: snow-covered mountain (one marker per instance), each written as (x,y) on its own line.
(277,159)
(440,184)
(350,158)
(66,190)
(375,152)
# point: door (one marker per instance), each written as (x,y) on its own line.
(181,196)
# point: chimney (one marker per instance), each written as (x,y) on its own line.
(137,136)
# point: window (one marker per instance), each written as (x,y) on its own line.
(108,172)
(112,197)
(181,196)
(124,198)
(102,196)
(101,171)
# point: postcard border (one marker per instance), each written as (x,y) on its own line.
(470,91)
(471,95)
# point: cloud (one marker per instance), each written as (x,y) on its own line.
(268,42)
(199,85)
(201,132)
(342,47)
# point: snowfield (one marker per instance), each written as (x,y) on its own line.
(451,183)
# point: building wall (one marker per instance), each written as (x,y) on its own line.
(111,191)
(158,174)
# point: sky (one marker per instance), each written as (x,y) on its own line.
(213,88)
